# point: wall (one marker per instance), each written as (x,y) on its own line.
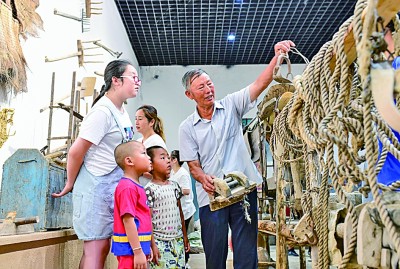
(59,38)
(162,88)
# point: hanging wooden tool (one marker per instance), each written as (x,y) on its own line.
(83,19)
(87,86)
(115,54)
(87,89)
(80,53)
(93,8)
(99,73)
(230,190)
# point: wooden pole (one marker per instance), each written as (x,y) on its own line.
(302,257)
(281,249)
(71,111)
(53,78)
(296,169)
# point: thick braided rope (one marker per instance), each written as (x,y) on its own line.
(384,128)
(321,224)
(306,199)
(387,144)
(396,35)
(381,161)
(368,124)
(369,140)
(395,185)
(322,221)
(354,218)
(341,67)
(320,95)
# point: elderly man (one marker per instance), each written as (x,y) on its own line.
(211,142)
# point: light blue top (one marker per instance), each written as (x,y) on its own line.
(218,143)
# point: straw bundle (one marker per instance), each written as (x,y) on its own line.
(6,118)
(12,60)
(29,20)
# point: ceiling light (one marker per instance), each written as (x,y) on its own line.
(231,37)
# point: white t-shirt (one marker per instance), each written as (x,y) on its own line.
(153,140)
(182,177)
(100,128)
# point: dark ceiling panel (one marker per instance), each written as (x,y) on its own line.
(195,32)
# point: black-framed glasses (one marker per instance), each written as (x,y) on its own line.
(135,79)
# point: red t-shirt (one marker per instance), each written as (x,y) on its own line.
(130,198)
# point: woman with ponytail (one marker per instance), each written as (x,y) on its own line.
(92,172)
(150,126)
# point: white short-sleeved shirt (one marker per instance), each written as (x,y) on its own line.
(218,143)
(153,140)
(182,177)
(166,218)
(100,128)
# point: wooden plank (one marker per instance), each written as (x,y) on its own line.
(87,86)
(369,240)
(385,258)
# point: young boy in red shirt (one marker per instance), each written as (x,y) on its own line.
(132,220)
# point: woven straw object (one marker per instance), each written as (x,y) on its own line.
(12,61)
(29,20)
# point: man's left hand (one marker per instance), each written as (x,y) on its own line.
(283,47)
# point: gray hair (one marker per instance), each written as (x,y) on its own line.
(191,75)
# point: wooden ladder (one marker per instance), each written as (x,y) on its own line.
(74,116)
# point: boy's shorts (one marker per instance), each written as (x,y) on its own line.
(125,262)
(172,254)
(93,204)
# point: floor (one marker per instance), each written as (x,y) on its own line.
(197,261)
